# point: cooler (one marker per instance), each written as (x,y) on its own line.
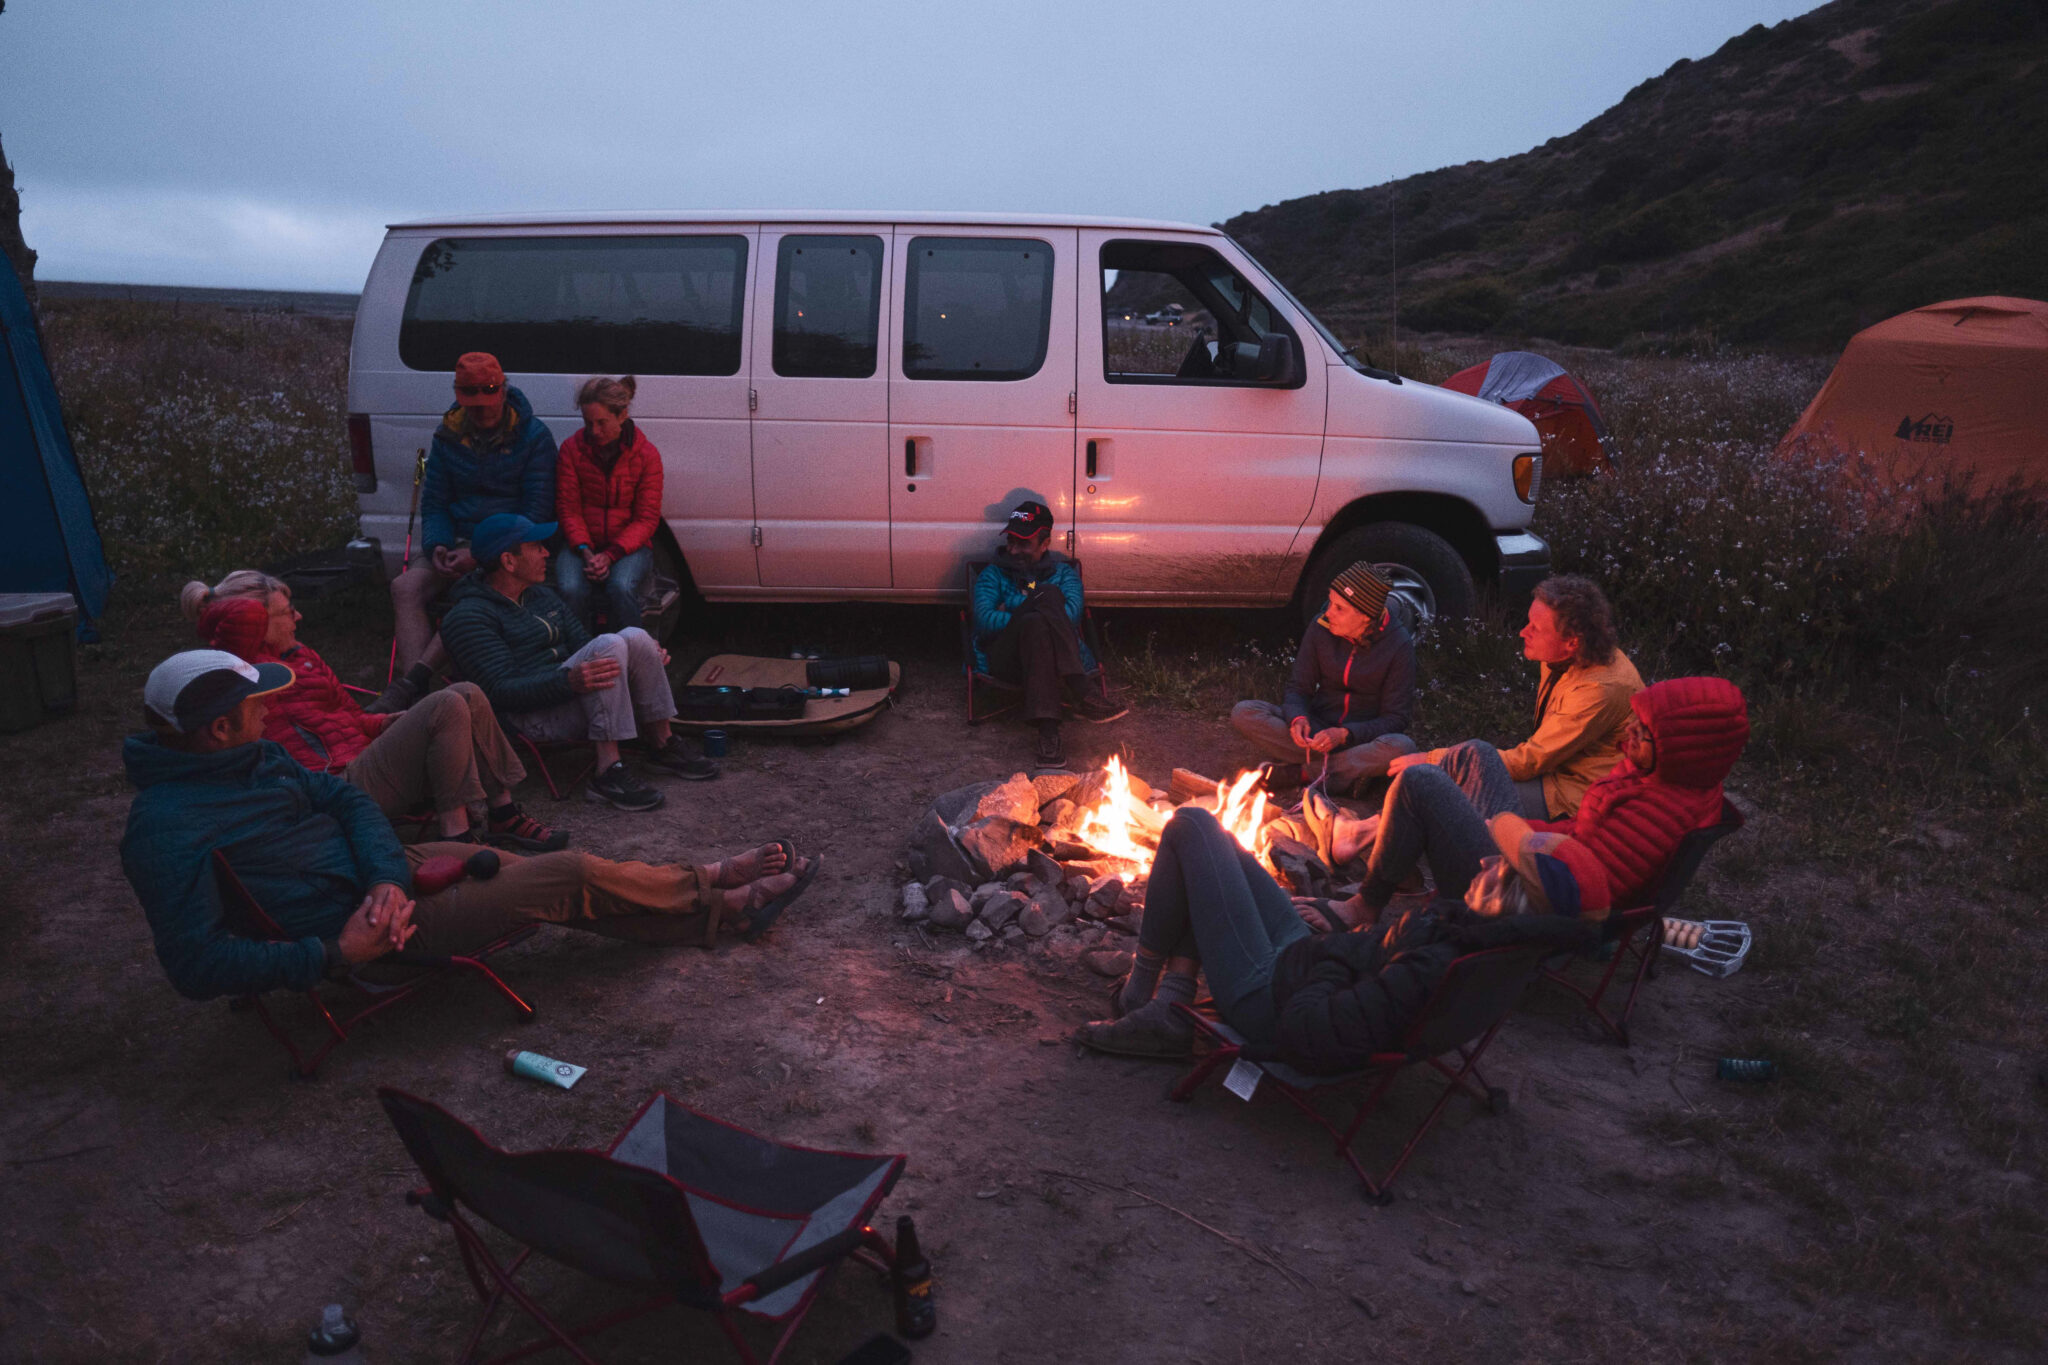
(38,674)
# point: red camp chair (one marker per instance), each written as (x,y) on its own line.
(1467,1008)
(681,1208)
(1638,934)
(247,917)
(558,787)
(1010,696)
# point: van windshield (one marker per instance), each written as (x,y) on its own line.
(1329,338)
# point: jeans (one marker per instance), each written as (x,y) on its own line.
(1209,899)
(621,587)
(1440,812)
(1476,767)
(1265,725)
(641,694)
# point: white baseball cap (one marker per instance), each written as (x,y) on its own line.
(187,690)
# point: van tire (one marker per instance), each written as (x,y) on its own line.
(672,587)
(1431,576)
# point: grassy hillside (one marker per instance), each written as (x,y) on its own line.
(1802,182)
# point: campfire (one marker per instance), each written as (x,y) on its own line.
(1062,857)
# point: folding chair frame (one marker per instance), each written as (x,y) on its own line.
(1638,933)
(494,1281)
(247,917)
(1381,1069)
(558,788)
(984,682)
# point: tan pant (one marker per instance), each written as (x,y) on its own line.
(412,592)
(448,750)
(645,902)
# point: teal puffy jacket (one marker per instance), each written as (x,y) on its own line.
(514,651)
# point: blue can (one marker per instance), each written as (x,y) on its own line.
(714,744)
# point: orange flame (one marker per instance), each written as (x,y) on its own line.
(1124,829)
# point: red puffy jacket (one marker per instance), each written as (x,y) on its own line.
(316,719)
(1632,822)
(615,512)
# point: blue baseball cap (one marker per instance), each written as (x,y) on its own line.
(504,531)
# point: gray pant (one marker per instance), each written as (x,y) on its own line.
(1265,725)
(613,713)
(1439,812)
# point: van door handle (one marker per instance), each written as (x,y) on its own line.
(910,457)
(1091,459)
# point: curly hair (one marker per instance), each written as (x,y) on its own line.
(1582,615)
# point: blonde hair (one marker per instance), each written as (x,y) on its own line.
(193,597)
(616,394)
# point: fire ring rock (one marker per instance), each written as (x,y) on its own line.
(933,853)
(1016,799)
(951,911)
(998,844)
(1002,908)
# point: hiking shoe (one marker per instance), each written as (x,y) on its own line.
(1153,1029)
(398,695)
(516,829)
(1095,708)
(1051,753)
(1281,779)
(616,786)
(676,757)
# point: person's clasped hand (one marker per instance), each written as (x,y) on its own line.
(1325,741)
(594,675)
(453,562)
(1300,731)
(381,924)
(597,566)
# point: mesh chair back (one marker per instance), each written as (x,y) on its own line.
(614,1222)
(243,913)
(1476,992)
(1692,851)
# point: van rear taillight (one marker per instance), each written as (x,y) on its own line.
(361,458)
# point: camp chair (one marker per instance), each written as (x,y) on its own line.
(1011,695)
(1638,933)
(246,916)
(558,787)
(681,1207)
(1467,1008)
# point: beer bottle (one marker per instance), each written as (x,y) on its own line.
(911,1278)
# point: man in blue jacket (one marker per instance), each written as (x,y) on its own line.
(490,455)
(1027,613)
(1351,695)
(321,859)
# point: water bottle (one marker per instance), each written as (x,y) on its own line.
(1753,1069)
(911,1279)
(334,1340)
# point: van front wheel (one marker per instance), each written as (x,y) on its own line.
(1430,577)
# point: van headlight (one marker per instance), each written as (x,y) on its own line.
(1528,477)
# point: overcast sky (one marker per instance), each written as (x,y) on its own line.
(237,143)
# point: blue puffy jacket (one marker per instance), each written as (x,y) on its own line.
(468,479)
(1007,581)
(308,846)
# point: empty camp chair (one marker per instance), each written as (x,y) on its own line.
(247,917)
(989,696)
(1637,933)
(681,1208)
(1459,1019)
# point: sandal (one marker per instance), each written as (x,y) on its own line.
(719,872)
(761,918)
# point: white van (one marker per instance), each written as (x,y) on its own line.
(847,404)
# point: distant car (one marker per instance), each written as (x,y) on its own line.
(1170,316)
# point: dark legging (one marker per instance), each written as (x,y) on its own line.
(1210,900)
(1440,812)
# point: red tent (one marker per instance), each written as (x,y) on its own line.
(1566,417)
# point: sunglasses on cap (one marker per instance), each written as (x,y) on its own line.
(477,390)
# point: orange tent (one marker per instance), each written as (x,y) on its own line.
(1960,386)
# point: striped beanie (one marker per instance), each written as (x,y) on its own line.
(1363,588)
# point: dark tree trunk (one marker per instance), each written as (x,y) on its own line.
(18,254)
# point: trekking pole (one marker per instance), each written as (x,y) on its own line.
(419,471)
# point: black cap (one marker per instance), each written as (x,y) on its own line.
(1029,519)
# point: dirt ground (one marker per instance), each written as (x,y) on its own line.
(172,1196)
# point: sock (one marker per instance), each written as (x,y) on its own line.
(1175,988)
(421,677)
(505,814)
(1143,982)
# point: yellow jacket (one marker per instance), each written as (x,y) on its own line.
(1581,710)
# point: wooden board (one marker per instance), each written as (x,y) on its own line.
(822,715)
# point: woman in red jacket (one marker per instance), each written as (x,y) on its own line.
(608,500)
(447,751)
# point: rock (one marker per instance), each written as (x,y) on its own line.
(1012,933)
(1103,895)
(1026,882)
(997,845)
(1125,924)
(1072,854)
(1002,907)
(1089,789)
(1045,869)
(1033,921)
(980,932)
(942,856)
(915,906)
(935,889)
(916,864)
(1109,962)
(1052,906)
(1075,888)
(1053,787)
(957,806)
(1061,814)
(1129,901)
(951,912)
(1015,799)
(983,893)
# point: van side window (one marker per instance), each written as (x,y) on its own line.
(579,305)
(976,307)
(828,306)
(1178,313)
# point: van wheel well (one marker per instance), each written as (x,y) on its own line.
(1455,520)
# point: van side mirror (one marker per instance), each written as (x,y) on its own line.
(1276,358)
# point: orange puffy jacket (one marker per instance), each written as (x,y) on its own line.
(1632,821)
(316,719)
(614,512)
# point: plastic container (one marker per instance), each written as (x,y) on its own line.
(38,658)
(1754,1070)
(714,743)
(334,1340)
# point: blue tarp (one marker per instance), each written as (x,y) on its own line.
(48,539)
